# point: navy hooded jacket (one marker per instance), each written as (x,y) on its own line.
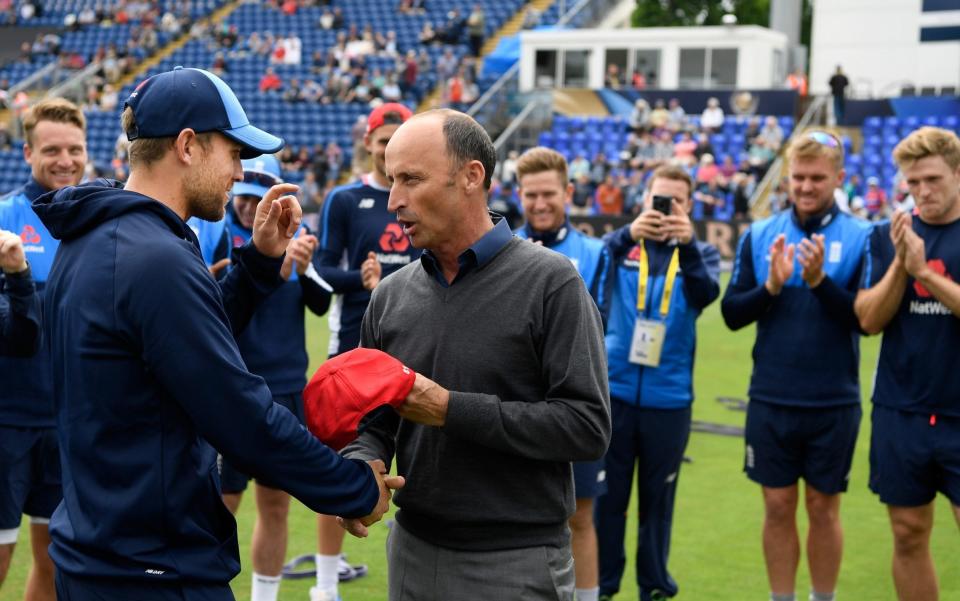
(146,372)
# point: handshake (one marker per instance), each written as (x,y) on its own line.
(387,484)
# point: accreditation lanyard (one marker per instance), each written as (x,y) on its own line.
(649,334)
(668,283)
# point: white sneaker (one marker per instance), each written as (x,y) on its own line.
(347,572)
(318,595)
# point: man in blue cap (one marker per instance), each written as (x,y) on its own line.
(273,347)
(148,377)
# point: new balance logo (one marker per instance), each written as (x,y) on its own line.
(751,461)
(366,203)
(155,572)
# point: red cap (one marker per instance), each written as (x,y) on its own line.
(349,386)
(376,118)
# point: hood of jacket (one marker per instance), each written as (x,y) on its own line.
(75,210)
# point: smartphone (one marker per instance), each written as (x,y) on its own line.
(664,204)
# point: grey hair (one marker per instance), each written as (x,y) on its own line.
(466,140)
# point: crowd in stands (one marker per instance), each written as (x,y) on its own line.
(665,133)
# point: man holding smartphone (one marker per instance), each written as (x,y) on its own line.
(662,278)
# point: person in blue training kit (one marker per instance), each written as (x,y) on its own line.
(662,279)
(913,297)
(19,302)
(546,192)
(56,149)
(804,410)
(273,346)
(360,243)
(149,381)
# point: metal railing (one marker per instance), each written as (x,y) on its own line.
(496,107)
(75,87)
(523,131)
(760,200)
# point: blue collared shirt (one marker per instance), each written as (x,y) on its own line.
(478,255)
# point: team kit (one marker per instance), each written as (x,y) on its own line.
(154,362)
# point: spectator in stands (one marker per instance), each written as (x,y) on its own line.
(797,80)
(270,82)
(87,16)
(711,195)
(446,65)
(609,197)
(772,134)
(531,17)
(612,77)
(326,19)
(508,168)
(582,202)
(452,30)
(852,187)
(334,156)
(838,87)
(728,168)
(476,29)
(760,157)
(219,66)
(711,119)
(109,98)
(677,116)
(743,185)
(659,116)
(640,117)
(707,170)
(683,151)
(704,146)
(633,188)
(424,62)
(579,165)
(4,94)
(875,200)
(338,18)
(638,80)
(780,197)
(5,138)
(412,7)
(293,92)
(599,169)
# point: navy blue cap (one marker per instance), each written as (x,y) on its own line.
(170,102)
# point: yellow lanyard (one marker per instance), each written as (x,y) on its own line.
(668,283)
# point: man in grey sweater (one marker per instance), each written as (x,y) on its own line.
(511,382)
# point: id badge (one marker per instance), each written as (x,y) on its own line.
(647,342)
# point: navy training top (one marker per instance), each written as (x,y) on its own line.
(149,385)
(807,351)
(354,222)
(919,365)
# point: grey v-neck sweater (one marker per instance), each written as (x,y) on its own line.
(519,344)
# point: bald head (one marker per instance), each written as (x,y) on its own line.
(463,139)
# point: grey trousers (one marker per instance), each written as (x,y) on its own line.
(420,571)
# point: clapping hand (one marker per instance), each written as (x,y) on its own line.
(810,256)
(781,264)
(12,259)
(370,271)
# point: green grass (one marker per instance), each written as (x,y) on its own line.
(716,552)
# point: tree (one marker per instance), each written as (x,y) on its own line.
(688,13)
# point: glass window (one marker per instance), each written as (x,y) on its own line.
(575,68)
(723,67)
(693,67)
(545,71)
(647,63)
(617,57)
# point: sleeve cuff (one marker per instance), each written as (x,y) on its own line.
(260,266)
